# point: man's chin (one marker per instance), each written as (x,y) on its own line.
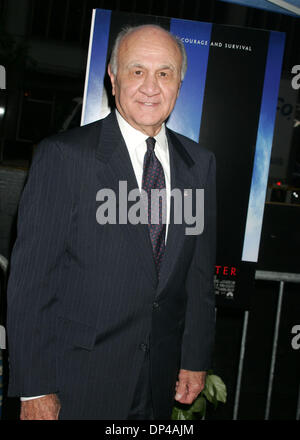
(148,121)
(149,127)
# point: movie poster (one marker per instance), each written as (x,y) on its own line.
(228,101)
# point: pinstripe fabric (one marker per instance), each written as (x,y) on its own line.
(84,301)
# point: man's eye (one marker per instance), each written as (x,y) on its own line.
(163,74)
(138,72)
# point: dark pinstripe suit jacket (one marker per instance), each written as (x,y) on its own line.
(84,302)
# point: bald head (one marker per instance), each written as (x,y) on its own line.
(146,29)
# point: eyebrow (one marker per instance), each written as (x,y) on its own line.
(162,67)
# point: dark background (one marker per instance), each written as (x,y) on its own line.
(44,46)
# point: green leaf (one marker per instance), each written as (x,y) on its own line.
(175,412)
(182,415)
(209,385)
(207,395)
(182,412)
(219,388)
(196,407)
(199,406)
(214,399)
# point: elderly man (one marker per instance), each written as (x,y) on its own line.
(113,320)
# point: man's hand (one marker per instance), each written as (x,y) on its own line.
(43,408)
(189,385)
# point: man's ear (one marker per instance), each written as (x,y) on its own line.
(179,89)
(112,79)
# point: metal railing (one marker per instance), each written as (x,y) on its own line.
(3,268)
(282,278)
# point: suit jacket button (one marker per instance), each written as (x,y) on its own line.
(155,306)
(143,346)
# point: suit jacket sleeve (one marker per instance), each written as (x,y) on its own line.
(43,221)
(199,328)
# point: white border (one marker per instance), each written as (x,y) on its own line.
(88,67)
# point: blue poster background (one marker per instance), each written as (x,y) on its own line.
(187,114)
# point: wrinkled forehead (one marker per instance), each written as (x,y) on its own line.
(151,42)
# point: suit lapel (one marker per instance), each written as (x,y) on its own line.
(181,179)
(115,166)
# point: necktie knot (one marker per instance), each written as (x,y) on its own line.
(150,144)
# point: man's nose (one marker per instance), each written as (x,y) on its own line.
(150,85)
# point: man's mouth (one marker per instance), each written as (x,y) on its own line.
(149,104)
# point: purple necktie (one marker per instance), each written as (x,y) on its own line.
(154,178)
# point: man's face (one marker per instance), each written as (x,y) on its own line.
(148,79)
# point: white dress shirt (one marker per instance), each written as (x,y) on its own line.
(135,142)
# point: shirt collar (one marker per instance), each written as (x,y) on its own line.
(134,137)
